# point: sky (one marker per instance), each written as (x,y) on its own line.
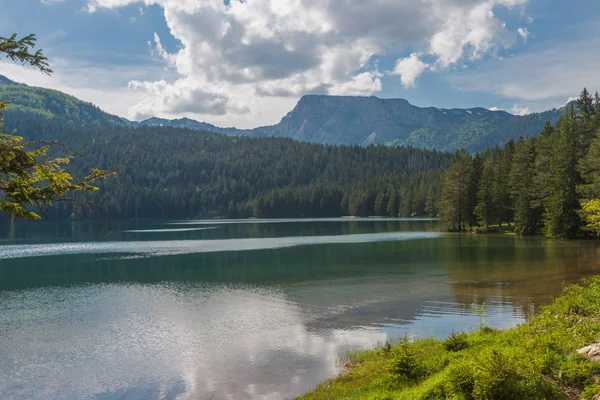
(245,63)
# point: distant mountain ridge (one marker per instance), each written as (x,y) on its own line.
(346,120)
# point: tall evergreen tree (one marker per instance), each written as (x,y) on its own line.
(585,122)
(585,105)
(393,204)
(454,204)
(486,209)
(501,189)
(526,215)
(589,167)
(562,206)
(474,179)
(544,146)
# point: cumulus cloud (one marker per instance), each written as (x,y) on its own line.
(495,109)
(234,54)
(517,109)
(409,69)
(360,85)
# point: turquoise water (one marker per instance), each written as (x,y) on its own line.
(246,309)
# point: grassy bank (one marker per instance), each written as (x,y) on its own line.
(537,360)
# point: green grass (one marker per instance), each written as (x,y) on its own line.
(536,360)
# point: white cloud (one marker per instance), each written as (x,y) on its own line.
(409,69)
(360,85)
(495,109)
(520,110)
(524,33)
(570,99)
(234,55)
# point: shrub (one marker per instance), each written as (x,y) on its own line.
(404,364)
(487,330)
(456,342)
(497,378)
(550,361)
(461,380)
(502,377)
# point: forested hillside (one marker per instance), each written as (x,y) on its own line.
(180,173)
(53,103)
(543,183)
(548,183)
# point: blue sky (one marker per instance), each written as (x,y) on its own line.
(247,63)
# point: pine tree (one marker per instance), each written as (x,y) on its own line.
(585,105)
(486,209)
(474,179)
(561,214)
(453,207)
(381,201)
(590,171)
(526,214)
(544,146)
(431,203)
(393,204)
(501,190)
(585,123)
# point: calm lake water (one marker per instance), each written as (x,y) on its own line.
(246,309)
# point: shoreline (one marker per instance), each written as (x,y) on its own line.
(535,360)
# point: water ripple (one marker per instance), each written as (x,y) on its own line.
(177,247)
(169,230)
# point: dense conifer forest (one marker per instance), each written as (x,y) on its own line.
(546,184)
(177,173)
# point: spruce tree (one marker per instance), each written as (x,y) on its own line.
(561,214)
(585,123)
(393,204)
(453,207)
(486,209)
(544,146)
(585,105)
(526,214)
(589,167)
(475,177)
(501,189)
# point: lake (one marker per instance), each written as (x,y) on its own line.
(247,309)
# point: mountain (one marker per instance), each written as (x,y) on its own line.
(192,124)
(54,104)
(371,120)
(322,119)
